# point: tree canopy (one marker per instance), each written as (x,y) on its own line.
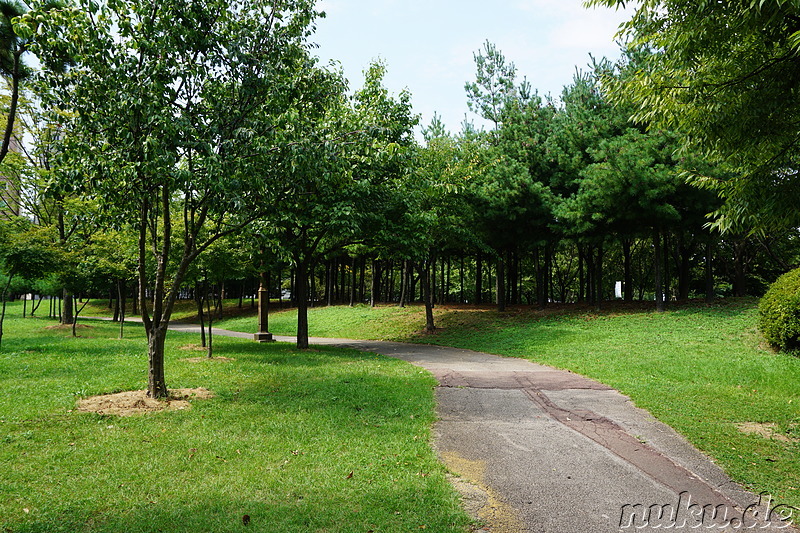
(724,75)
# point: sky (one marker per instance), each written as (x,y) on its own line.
(428,45)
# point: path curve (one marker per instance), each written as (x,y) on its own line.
(549,451)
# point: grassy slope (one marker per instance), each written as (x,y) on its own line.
(278,442)
(701,369)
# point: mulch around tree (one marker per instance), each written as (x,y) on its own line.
(136,402)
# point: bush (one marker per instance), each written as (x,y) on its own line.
(780,312)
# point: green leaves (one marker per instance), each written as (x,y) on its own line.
(27,250)
(724,76)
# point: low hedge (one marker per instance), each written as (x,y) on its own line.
(780,312)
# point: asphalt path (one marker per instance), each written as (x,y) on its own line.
(542,450)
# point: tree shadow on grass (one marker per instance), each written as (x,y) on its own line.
(276,509)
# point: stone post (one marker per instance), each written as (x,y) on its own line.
(263,334)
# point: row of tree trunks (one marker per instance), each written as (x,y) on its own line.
(390,282)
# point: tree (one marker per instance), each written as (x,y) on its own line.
(12,66)
(724,75)
(494,84)
(505,185)
(174,112)
(51,202)
(346,175)
(26,251)
(437,218)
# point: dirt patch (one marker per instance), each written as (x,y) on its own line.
(480,501)
(135,402)
(193,348)
(69,326)
(203,359)
(765,430)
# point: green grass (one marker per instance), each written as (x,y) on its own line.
(358,322)
(184,309)
(701,369)
(278,442)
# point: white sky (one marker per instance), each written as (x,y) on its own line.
(428,45)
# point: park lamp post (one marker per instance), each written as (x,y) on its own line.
(263,334)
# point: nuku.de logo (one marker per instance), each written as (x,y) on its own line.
(688,515)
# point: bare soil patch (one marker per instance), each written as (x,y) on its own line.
(193,348)
(767,431)
(135,402)
(69,326)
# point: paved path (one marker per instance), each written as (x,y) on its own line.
(548,451)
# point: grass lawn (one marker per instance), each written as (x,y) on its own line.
(701,369)
(323,440)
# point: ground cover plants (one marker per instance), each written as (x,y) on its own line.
(320,440)
(703,369)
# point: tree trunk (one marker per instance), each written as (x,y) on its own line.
(353,280)
(362,287)
(432,280)
(443,284)
(684,267)
(461,279)
(403,283)
(156,385)
(67,308)
(627,283)
(198,298)
(709,273)
(660,307)
(665,274)
(328,283)
(501,282)
(479,279)
(373,297)
(513,279)
(35,304)
(342,278)
(591,288)
(301,284)
(449,280)
(390,283)
(581,275)
(115,303)
(292,285)
(12,109)
(75,317)
(541,279)
(599,276)
(220,300)
(425,279)
(122,290)
(210,347)
(4,297)
(740,268)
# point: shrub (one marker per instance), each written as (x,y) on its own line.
(780,312)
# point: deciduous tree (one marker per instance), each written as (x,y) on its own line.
(175,111)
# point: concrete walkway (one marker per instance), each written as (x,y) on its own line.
(548,451)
